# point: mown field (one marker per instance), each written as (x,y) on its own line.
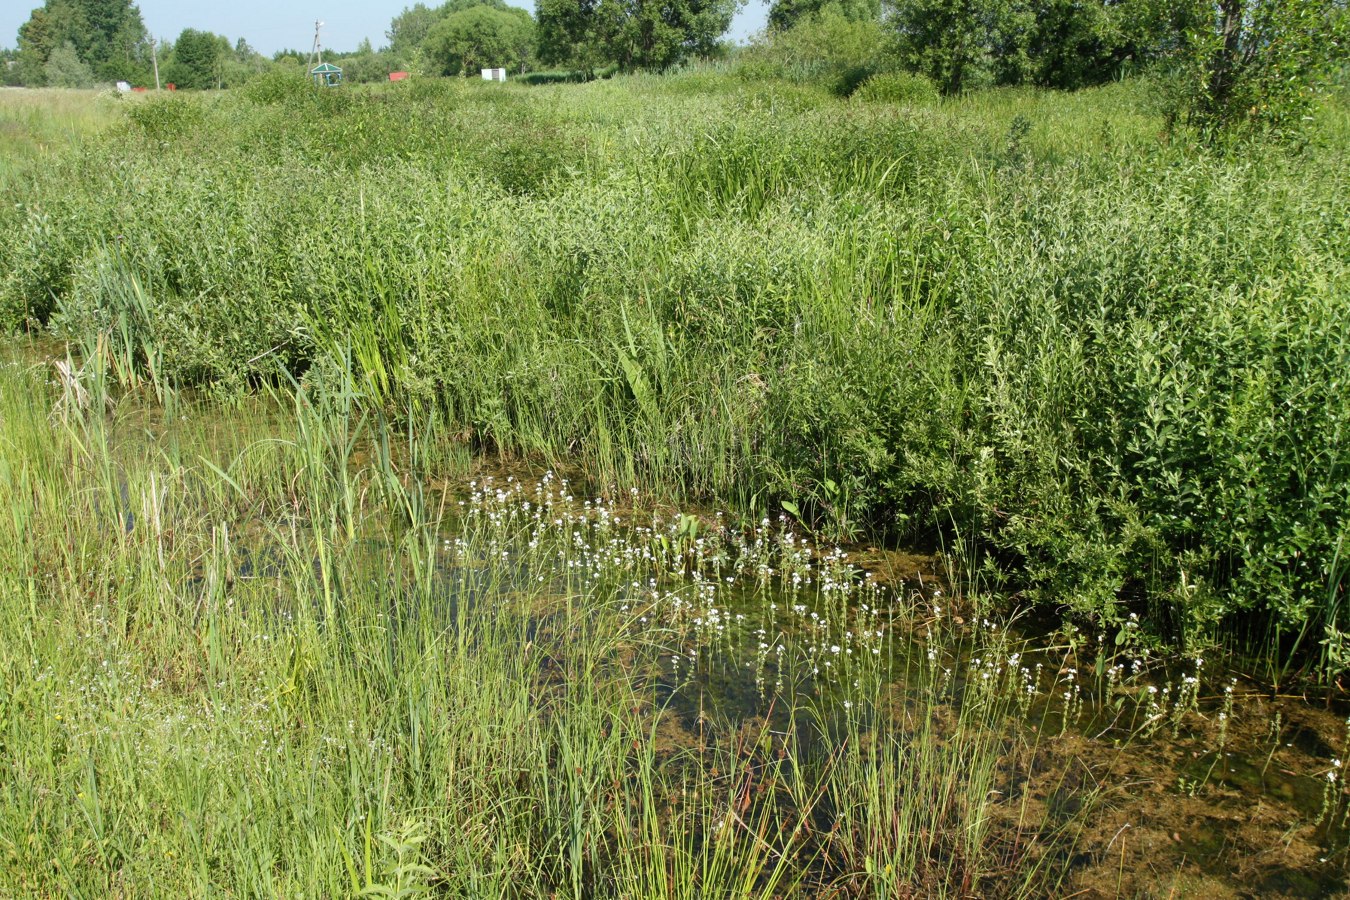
(265,629)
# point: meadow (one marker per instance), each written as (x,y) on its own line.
(437,488)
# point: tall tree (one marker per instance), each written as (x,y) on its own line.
(108,36)
(409,28)
(1073,44)
(654,35)
(48,27)
(954,41)
(65,69)
(1257,62)
(569,33)
(478,37)
(1053,43)
(196,59)
(10,73)
(1230,60)
(635,34)
(827,47)
(783,14)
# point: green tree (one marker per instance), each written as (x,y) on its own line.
(454,6)
(196,59)
(1229,61)
(10,73)
(568,33)
(956,42)
(635,34)
(107,35)
(238,65)
(48,27)
(367,64)
(409,28)
(65,69)
(1073,43)
(128,56)
(1256,63)
(479,37)
(783,14)
(655,35)
(360,68)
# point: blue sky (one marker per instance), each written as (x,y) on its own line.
(270,26)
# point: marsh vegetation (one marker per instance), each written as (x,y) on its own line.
(474,490)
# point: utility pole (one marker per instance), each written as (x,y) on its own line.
(316,51)
(154,60)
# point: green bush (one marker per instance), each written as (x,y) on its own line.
(165,118)
(898,87)
(826,47)
(565,76)
(277,85)
(1256,66)
(559,77)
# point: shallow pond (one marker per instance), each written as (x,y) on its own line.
(744,643)
(1180,778)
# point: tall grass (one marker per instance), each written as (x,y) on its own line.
(38,124)
(238,659)
(1111,364)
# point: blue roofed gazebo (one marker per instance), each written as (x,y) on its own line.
(326,75)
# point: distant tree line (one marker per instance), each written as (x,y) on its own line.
(1217,61)
(80,43)
(461,36)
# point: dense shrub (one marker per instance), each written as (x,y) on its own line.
(826,47)
(165,118)
(566,76)
(898,87)
(1255,65)
(277,85)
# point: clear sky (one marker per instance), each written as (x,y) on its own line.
(269,25)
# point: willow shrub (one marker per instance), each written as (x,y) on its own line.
(1112,368)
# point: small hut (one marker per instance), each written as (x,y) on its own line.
(326,75)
